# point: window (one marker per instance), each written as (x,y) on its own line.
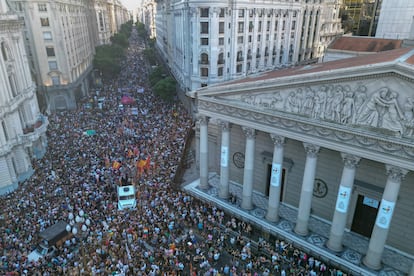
(47,35)
(204,12)
(239,68)
(239,56)
(53,65)
(275,25)
(240,39)
(220,58)
(241,27)
(50,51)
(204,41)
(204,27)
(220,71)
(221,40)
(44,22)
(6,135)
(260,26)
(250,38)
(221,27)
(241,13)
(42,7)
(251,26)
(221,12)
(259,37)
(268,26)
(4,51)
(293,24)
(204,72)
(56,80)
(283,25)
(204,58)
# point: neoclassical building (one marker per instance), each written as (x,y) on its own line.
(205,43)
(22,126)
(333,140)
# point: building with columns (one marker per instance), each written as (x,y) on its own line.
(334,141)
(22,126)
(204,43)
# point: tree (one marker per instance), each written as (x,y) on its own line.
(107,59)
(121,39)
(142,32)
(156,75)
(165,88)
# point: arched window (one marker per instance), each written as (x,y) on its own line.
(220,58)
(204,58)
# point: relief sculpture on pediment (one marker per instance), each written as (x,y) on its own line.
(344,105)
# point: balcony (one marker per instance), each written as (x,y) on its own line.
(32,132)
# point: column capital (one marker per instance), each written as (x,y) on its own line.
(249,132)
(225,125)
(395,173)
(350,161)
(311,149)
(278,140)
(202,120)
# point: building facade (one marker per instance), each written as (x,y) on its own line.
(23,127)
(206,44)
(333,140)
(61,37)
(396,19)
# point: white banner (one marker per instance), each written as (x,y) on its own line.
(385,214)
(342,201)
(275,176)
(224,156)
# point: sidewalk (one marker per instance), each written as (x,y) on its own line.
(355,246)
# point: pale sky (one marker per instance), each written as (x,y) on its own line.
(131,4)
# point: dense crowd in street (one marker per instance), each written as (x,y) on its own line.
(169,233)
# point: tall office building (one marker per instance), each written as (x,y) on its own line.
(209,42)
(60,48)
(61,38)
(23,127)
(396,19)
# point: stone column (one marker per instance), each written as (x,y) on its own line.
(307,189)
(203,152)
(247,196)
(384,216)
(275,178)
(224,160)
(197,143)
(342,202)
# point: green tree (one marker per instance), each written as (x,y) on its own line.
(107,59)
(142,32)
(165,89)
(121,39)
(156,75)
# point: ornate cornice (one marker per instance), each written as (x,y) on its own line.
(335,136)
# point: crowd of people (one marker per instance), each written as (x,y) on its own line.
(95,148)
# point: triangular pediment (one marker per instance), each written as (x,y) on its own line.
(376,102)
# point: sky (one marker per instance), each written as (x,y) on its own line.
(130,4)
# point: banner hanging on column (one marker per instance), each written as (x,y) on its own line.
(385,214)
(224,156)
(275,176)
(343,199)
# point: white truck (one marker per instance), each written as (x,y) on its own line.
(126,197)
